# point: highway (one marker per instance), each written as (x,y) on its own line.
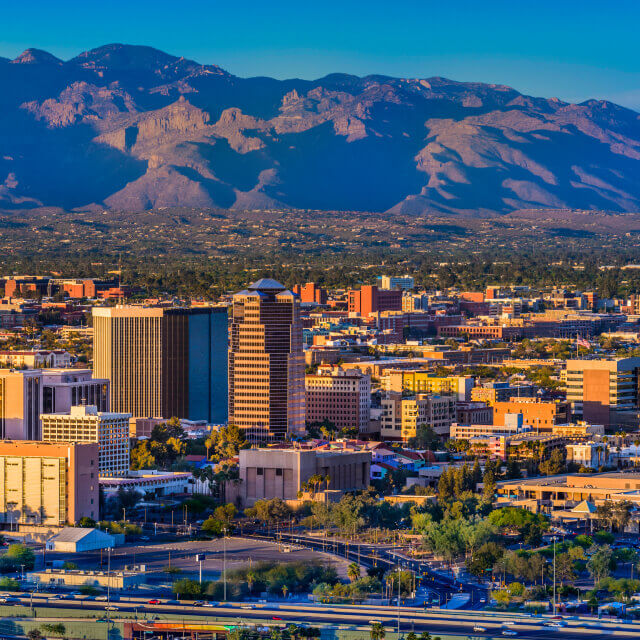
(347,616)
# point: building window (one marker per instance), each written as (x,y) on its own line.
(260,471)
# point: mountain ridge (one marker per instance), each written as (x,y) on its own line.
(132,127)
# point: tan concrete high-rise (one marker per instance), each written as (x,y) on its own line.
(87,424)
(163,362)
(266,362)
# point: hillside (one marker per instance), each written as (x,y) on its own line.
(132,128)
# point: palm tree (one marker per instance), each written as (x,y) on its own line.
(292,630)
(285,589)
(251,578)
(377,631)
(353,571)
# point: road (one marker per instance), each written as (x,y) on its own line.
(376,555)
(350,616)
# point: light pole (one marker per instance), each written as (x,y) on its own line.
(108,576)
(398,601)
(224,563)
(554,574)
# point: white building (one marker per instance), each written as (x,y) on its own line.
(35,359)
(87,424)
(150,483)
(77,540)
(396,282)
(589,454)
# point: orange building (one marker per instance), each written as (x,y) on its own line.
(369,299)
(536,413)
(310,292)
(47,483)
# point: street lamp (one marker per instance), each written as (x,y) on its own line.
(224,563)
(554,574)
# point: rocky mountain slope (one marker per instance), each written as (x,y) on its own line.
(133,128)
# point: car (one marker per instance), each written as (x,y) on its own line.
(508,623)
(197,603)
(479,629)
(375,622)
(101,598)
(509,632)
(211,603)
(111,608)
(154,601)
(276,618)
(247,606)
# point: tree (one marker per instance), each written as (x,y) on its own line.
(353,571)
(56,629)
(225,443)
(377,631)
(565,571)
(599,564)
(555,464)
(20,554)
(489,487)
(225,513)
(34,634)
(272,510)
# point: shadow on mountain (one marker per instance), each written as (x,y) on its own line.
(319,170)
(240,170)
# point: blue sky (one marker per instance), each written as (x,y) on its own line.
(566,48)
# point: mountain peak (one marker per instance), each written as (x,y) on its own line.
(36,56)
(123,57)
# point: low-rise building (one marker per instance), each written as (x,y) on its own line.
(78,540)
(92,578)
(150,483)
(281,473)
(592,455)
(492,392)
(421,381)
(35,359)
(541,415)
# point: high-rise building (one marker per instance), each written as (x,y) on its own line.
(87,424)
(266,362)
(341,397)
(20,404)
(403,416)
(25,394)
(604,391)
(64,388)
(47,483)
(310,293)
(163,362)
(369,299)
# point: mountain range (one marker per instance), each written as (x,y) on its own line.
(132,128)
